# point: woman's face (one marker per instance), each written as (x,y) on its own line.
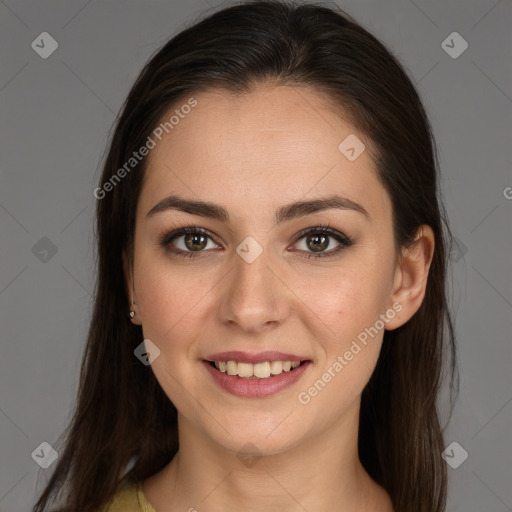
(255,281)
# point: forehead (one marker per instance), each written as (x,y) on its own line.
(267,147)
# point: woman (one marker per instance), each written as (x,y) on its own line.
(270,320)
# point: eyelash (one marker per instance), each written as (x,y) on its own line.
(167,237)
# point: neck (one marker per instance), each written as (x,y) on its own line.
(319,473)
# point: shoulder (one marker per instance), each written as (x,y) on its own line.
(129,498)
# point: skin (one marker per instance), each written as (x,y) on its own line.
(252,154)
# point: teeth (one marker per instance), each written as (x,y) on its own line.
(260,370)
(276,367)
(232,367)
(256,371)
(245,369)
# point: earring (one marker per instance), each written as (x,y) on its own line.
(132,313)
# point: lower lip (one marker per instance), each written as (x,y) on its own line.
(256,388)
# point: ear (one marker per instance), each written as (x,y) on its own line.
(127,270)
(410,280)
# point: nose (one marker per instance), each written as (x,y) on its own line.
(254,296)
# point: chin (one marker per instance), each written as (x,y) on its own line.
(257,441)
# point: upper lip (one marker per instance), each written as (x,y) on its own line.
(260,357)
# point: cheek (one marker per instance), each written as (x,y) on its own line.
(171,300)
(173,307)
(350,306)
(346,307)
(346,301)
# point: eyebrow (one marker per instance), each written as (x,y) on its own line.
(283,214)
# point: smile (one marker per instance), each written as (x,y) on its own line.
(259,380)
(263,370)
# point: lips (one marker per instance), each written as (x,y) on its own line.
(254,387)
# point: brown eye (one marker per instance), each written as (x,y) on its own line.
(195,242)
(314,242)
(189,242)
(317,242)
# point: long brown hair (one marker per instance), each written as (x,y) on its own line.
(124,424)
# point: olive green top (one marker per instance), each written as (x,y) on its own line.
(129,498)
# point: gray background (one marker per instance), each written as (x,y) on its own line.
(56,116)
